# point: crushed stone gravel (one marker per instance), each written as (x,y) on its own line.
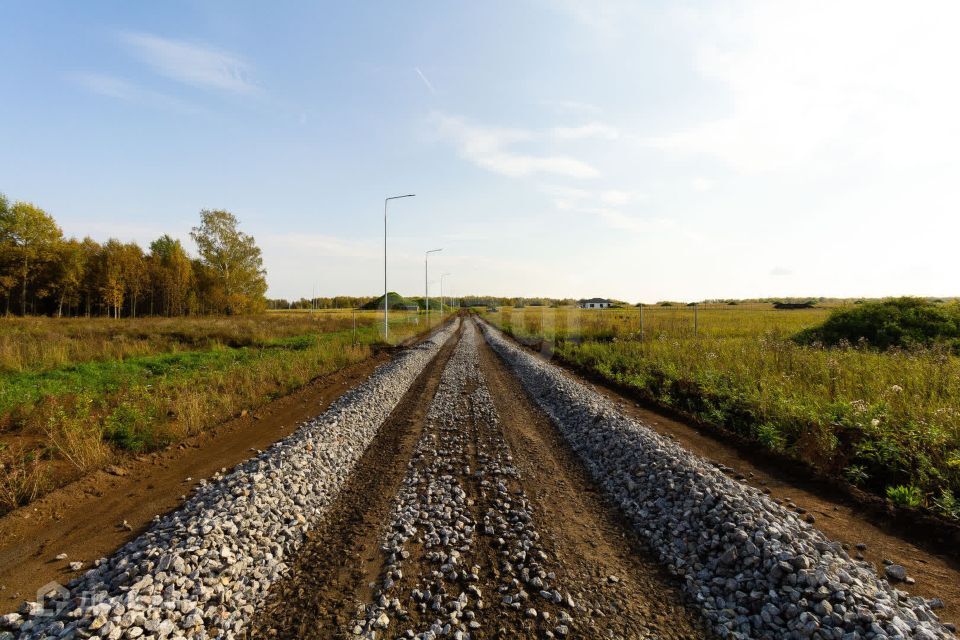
(753,569)
(202,570)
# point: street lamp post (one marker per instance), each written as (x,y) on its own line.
(386,297)
(426,286)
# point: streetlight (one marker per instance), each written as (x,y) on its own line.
(442,276)
(426,287)
(386,296)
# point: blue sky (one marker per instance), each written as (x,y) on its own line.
(635,150)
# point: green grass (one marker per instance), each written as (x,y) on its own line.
(102,378)
(84,414)
(879,419)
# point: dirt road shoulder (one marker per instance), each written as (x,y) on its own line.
(85,519)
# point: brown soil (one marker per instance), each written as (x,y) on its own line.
(586,540)
(83,519)
(930,561)
(340,559)
(590,539)
(334,570)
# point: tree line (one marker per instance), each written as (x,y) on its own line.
(320,302)
(355,302)
(500,301)
(44,273)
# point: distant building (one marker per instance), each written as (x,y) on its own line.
(594,303)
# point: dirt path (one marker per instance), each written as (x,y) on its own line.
(469,515)
(84,519)
(340,558)
(581,525)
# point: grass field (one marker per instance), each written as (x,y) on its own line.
(78,394)
(886,421)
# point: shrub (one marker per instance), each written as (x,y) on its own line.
(948,504)
(905,496)
(22,478)
(856,474)
(770,436)
(130,428)
(900,322)
(67,424)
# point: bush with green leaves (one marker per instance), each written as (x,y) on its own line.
(899,322)
(948,504)
(905,496)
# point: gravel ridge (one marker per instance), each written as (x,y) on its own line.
(201,571)
(752,568)
(459,495)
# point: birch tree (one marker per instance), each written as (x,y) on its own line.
(30,232)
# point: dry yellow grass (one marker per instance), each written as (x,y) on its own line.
(100,388)
(882,419)
(38,344)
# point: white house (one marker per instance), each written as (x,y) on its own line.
(594,303)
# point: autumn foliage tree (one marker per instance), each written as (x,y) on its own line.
(171,276)
(30,235)
(71,263)
(43,273)
(235,260)
(112,276)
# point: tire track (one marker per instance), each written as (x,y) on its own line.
(339,560)
(203,570)
(581,526)
(467,553)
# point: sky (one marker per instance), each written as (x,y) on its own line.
(635,150)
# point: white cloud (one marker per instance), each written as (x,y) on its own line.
(825,85)
(120,89)
(619,197)
(607,206)
(567,198)
(199,65)
(781,271)
(565,191)
(488,147)
(591,130)
(572,107)
(671,231)
(570,198)
(608,18)
(616,219)
(703,184)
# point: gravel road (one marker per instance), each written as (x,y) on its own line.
(202,570)
(464,555)
(468,542)
(752,568)
(470,490)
